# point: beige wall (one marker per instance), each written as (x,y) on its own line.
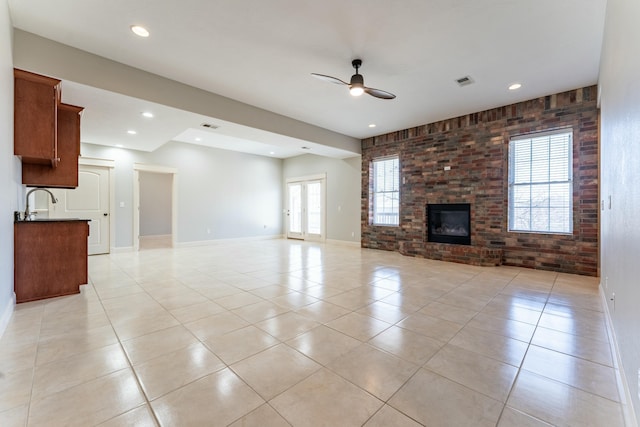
(620,181)
(343,192)
(10,171)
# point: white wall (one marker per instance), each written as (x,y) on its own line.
(343,191)
(10,169)
(221,194)
(620,181)
(155,203)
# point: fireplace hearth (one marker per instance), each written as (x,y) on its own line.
(449,223)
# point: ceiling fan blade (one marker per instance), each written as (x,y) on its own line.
(379,93)
(329,79)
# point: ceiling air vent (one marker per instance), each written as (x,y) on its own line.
(464,81)
(209,126)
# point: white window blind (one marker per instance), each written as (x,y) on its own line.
(386,191)
(540,183)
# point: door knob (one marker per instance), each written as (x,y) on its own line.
(105,214)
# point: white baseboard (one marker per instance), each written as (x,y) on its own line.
(6,314)
(343,243)
(623,387)
(226,241)
(121,249)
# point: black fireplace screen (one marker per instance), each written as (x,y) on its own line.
(449,223)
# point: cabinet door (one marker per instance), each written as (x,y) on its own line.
(50,258)
(65,175)
(35,117)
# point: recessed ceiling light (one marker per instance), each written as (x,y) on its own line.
(140,31)
(515,86)
(198,139)
(372,125)
(272,152)
(131,132)
(147,114)
(119,145)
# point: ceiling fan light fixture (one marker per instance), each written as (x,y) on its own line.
(356,86)
(356,90)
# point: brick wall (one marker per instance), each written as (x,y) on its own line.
(475,146)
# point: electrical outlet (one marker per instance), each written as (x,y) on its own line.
(606,282)
(353,234)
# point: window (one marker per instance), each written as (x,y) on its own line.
(540,183)
(386,191)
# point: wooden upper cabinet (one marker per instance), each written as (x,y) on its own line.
(35,118)
(65,175)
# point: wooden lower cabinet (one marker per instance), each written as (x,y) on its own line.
(50,258)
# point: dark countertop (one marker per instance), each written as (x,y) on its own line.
(51,220)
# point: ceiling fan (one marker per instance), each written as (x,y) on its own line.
(356,85)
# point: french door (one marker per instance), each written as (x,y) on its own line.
(306,208)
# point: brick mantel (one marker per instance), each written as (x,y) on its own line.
(475,147)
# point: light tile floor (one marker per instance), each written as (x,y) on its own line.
(278,333)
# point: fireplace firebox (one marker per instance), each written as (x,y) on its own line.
(449,223)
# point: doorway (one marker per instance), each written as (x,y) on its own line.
(169,177)
(306,208)
(155,210)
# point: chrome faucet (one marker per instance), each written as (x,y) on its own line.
(26,209)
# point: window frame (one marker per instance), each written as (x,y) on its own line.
(532,183)
(374,193)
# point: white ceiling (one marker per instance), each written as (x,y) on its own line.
(263,53)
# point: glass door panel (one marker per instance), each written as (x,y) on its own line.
(314,208)
(294,211)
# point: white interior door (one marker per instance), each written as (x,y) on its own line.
(306,209)
(90,200)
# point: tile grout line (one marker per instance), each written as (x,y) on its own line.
(35,364)
(525,355)
(126,355)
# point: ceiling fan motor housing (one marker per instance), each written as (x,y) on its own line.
(357,80)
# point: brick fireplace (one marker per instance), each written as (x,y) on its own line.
(465,160)
(449,223)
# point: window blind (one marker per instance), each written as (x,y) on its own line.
(540,183)
(386,191)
